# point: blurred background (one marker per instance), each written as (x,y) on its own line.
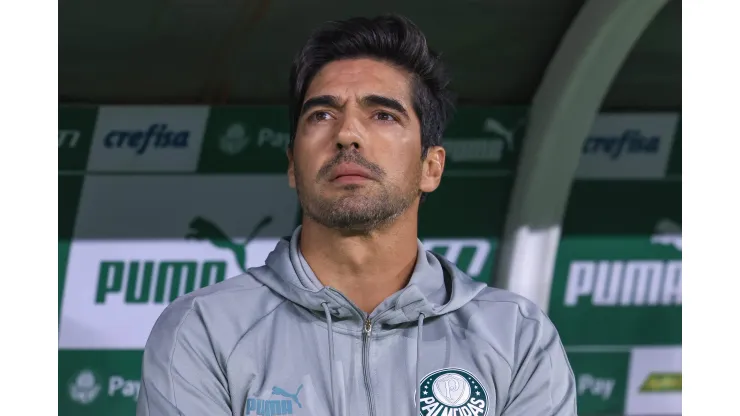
(563,179)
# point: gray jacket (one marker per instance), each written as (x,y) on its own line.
(275,341)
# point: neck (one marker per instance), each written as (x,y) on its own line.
(368,268)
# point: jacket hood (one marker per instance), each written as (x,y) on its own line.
(436,286)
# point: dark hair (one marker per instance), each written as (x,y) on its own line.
(390,38)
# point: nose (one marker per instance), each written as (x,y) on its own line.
(350,134)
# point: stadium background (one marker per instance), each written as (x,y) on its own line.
(209,198)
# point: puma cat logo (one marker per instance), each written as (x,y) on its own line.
(205,230)
(667,233)
(280,392)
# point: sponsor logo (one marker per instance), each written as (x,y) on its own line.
(661,383)
(595,386)
(470,255)
(273,406)
(235,139)
(452,391)
(205,230)
(134,281)
(632,141)
(667,233)
(68,139)
(489,148)
(84,387)
(156,136)
(620,146)
(162,281)
(654,381)
(629,282)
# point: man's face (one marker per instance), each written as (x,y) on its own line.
(356,161)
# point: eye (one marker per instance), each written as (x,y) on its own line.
(385,117)
(319,116)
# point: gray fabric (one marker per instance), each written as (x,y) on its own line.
(276,341)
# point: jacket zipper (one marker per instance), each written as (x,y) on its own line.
(367,331)
(367,328)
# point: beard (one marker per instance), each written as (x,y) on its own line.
(358,209)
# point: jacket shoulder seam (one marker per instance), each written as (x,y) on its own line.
(174,348)
(246,332)
(518,307)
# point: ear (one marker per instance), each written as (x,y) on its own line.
(291,169)
(432,168)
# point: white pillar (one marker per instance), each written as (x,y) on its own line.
(562,112)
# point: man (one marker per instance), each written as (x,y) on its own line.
(350,315)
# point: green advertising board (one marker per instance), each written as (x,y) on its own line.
(600,381)
(616,291)
(95,383)
(621,281)
(245,140)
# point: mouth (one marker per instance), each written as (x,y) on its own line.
(350,173)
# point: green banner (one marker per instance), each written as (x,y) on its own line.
(95,383)
(484,140)
(634,381)
(616,291)
(601,381)
(621,291)
(617,278)
(246,139)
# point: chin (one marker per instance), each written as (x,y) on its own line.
(352,204)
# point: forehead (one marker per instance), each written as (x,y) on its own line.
(361,77)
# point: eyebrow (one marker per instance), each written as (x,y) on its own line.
(372,100)
(331,101)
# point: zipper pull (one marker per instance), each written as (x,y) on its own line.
(368,327)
